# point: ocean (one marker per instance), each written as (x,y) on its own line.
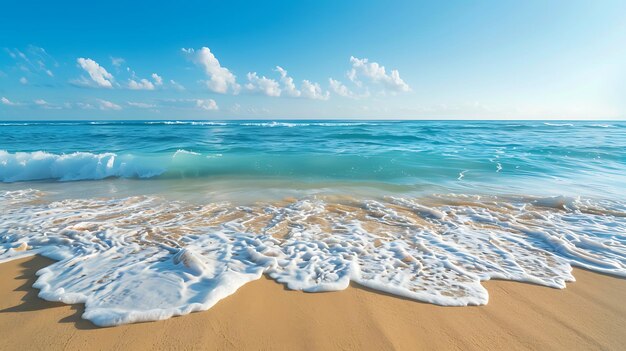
(152,219)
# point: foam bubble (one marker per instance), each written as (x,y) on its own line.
(145,258)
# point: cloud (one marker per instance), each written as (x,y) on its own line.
(158,80)
(140,104)
(108,105)
(34,60)
(340,89)
(313,91)
(97,73)
(45,104)
(221,80)
(288,86)
(142,84)
(262,85)
(7,102)
(117,61)
(176,85)
(85,106)
(208,104)
(23,80)
(372,71)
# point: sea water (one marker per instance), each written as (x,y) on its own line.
(151,219)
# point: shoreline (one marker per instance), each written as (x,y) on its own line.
(588,314)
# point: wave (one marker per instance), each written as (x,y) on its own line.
(145,258)
(40,165)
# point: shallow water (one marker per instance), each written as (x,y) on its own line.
(154,219)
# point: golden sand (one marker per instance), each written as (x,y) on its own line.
(589,315)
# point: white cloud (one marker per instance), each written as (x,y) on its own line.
(176,85)
(85,106)
(158,80)
(262,85)
(97,73)
(313,91)
(208,104)
(288,86)
(23,80)
(45,104)
(7,102)
(117,61)
(362,68)
(140,104)
(221,80)
(142,84)
(340,89)
(34,61)
(108,105)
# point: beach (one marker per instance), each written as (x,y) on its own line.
(588,314)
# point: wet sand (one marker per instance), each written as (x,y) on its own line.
(589,314)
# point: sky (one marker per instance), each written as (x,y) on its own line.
(313,60)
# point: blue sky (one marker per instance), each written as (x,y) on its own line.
(313,59)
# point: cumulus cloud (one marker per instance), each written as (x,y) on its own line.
(313,91)
(207,104)
(141,84)
(108,105)
(262,85)
(288,85)
(97,73)
(340,89)
(41,102)
(374,72)
(221,80)
(23,80)
(158,80)
(7,102)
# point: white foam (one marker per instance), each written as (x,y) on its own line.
(144,258)
(38,165)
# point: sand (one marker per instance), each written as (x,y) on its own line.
(589,314)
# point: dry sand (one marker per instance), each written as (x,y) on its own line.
(590,314)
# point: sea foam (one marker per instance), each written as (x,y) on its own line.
(145,258)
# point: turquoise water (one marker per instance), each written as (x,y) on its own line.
(153,219)
(529,157)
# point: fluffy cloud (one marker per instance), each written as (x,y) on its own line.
(97,73)
(108,105)
(41,102)
(158,80)
(141,84)
(288,86)
(340,89)
(208,104)
(362,68)
(313,91)
(262,85)
(7,102)
(23,80)
(221,80)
